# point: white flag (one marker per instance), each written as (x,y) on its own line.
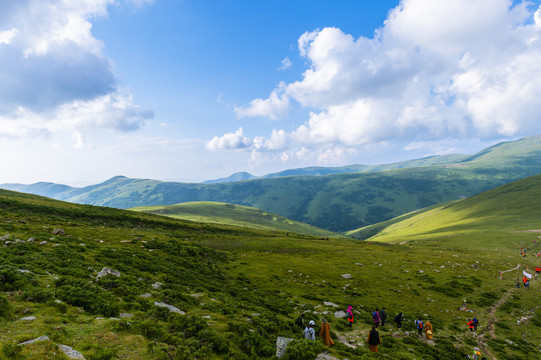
(526,274)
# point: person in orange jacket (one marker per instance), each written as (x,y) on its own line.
(325,333)
(428,330)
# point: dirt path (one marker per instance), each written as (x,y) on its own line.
(489,328)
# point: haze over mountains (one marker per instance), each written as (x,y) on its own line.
(337,199)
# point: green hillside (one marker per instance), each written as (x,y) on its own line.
(511,207)
(238,289)
(337,202)
(237,215)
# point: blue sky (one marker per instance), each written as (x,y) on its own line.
(190,90)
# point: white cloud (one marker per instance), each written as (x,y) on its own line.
(276,105)
(234,140)
(436,70)
(286,64)
(54,73)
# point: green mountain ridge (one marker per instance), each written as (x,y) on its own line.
(335,202)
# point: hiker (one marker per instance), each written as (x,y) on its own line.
(349,313)
(475,323)
(517,284)
(398,320)
(375,317)
(428,330)
(325,333)
(471,325)
(300,321)
(309,332)
(476,354)
(373,339)
(419,325)
(526,282)
(383,316)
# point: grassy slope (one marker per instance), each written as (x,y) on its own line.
(242,288)
(229,214)
(339,202)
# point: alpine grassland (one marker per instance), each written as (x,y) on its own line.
(238,215)
(118,284)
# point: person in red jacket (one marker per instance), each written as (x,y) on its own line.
(471,324)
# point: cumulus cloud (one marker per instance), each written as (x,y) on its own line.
(276,105)
(286,64)
(234,140)
(54,73)
(435,70)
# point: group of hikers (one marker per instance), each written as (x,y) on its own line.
(378,317)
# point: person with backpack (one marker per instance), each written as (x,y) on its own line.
(398,320)
(383,316)
(428,330)
(373,340)
(309,332)
(375,317)
(475,323)
(471,324)
(349,313)
(300,321)
(419,324)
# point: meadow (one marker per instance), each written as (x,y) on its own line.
(237,289)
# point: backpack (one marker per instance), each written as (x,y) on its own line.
(419,324)
(298,322)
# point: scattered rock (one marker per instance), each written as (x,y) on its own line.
(43,243)
(157,285)
(421,271)
(325,356)
(346,276)
(281,345)
(340,314)
(71,353)
(58,232)
(41,338)
(107,271)
(28,318)
(328,303)
(125,315)
(125,241)
(170,307)
(145,295)
(30,239)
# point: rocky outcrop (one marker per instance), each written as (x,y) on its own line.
(71,353)
(170,307)
(107,271)
(281,345)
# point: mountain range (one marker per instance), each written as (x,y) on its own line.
(337,199)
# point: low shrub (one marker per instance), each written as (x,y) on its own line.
(303,350)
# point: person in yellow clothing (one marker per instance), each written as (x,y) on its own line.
(428,330)
(325,333)
(373,339)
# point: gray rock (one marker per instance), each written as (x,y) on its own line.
(107,271)
(43,243)
(71,353)
(41,338)
(145,295)
(346,276)
(328,303)
(340,314)
(28,318)
(125,315)
(58,232)
(157,285)
(281,345)
(170,307)
(5,237)
(325,356)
